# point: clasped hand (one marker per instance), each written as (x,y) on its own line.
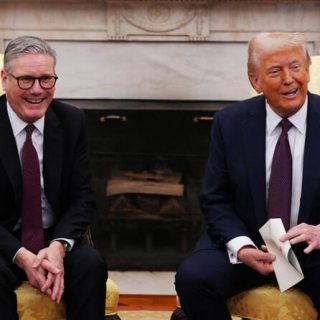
(45,271)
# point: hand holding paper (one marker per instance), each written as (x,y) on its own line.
(286,265)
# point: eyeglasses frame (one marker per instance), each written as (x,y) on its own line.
(34,80)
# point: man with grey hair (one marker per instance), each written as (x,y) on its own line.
(263,163)
(46,203)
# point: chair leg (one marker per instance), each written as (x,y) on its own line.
(178,314)
(112,317)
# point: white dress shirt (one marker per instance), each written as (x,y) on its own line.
(18,126)
(296,136)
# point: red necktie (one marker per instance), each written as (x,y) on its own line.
(31,220)
(280,184)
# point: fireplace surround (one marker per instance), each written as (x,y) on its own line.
(166,139)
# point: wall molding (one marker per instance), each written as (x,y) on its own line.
(157,20)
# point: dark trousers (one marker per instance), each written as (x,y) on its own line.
(206,279)
(85,285)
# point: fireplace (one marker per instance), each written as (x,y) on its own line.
(148,160)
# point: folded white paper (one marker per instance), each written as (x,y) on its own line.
(286,265)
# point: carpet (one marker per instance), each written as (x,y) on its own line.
(144,315)
(149,315)
(147,307)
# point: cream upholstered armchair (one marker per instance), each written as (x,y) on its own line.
(33,305)
(266,303)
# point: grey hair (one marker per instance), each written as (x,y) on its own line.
(26,44)
(271,42)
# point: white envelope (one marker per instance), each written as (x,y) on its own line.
(286,266)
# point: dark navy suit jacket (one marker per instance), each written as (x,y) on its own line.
(65,173)
(234,194)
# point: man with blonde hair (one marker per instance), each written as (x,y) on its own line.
(263,163)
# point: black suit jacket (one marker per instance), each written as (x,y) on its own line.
(234,194)
(65,172)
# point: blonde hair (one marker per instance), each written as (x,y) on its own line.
(271,42)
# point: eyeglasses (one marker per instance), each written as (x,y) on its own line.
(27,82)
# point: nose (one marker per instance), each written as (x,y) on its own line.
(287,76)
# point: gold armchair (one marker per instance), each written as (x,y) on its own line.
(266,303)
(33,305)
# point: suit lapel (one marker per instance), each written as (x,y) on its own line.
(53,146)
(311,172)
(254,131)
(9,152)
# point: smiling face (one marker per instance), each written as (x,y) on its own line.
(283,78)
(31,104)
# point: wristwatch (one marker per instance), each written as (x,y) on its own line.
(66,245)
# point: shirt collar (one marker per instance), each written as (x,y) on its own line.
(18,125)
(299,119)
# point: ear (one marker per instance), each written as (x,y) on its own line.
(4,79)
(255,82)
(308,73)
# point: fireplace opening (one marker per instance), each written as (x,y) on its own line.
(148,167)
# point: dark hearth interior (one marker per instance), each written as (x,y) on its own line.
(148,163)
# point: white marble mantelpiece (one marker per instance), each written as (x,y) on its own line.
(155,49)
(178,71)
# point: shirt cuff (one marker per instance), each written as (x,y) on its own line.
(234,245)
(14,257)
(69,241)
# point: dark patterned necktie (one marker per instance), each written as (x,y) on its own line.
(31,220)
(280,184)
